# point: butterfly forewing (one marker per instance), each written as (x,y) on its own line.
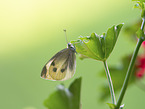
(61,66)
(45,70)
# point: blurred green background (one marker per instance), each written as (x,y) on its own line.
(31,32)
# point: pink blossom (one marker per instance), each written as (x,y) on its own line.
(143,44)
(140,66)
(140,73)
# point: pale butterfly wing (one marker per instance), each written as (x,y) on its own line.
(71,65)
(61,66)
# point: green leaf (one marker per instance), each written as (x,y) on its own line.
(139,0)
(89,46)
(98,47)
(75,89)
(112,106)
(65,98)
(140,33)
(140,5)
(110,39)
(137,6)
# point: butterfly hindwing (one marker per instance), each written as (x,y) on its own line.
(57,69)
(71,65)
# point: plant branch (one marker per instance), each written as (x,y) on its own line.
(143,23)
(125,84)
(110,82)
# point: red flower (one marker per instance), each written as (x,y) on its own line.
(140,66)
(140,73)
(143,44)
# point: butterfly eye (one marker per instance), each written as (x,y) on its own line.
(70,46)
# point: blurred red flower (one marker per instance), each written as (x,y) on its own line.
(143,45)
(140,64)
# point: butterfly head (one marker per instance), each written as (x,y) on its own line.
(70,46)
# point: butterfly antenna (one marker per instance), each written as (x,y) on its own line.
(65,35)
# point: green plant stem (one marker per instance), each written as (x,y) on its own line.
(143,23)
(125,84)
(128,73)
(110,82)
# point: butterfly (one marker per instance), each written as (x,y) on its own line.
(61,66)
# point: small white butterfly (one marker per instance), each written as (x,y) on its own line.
(61,66)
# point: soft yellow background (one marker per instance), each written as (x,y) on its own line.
(31,32)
